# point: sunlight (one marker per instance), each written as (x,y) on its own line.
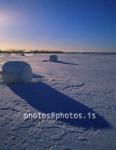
(3,18)
(6,17)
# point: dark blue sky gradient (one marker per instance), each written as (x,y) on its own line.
(70,25)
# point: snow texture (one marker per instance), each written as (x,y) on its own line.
(78,83)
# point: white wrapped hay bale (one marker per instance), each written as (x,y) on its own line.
(16,72)
(53,58)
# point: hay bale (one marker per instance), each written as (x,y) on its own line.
(16,72)
(53,58)
(22,54)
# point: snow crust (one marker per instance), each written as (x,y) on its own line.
(82,83)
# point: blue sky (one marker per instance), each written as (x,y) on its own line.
(69,25)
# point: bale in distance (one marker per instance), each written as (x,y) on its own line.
(16,72)
(53,58)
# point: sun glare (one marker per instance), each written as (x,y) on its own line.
(3,18)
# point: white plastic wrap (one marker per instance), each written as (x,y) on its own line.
(16,72)
(53,58)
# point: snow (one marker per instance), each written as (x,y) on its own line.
(79,83)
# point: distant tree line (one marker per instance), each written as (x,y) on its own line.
(30,51)
(10,51)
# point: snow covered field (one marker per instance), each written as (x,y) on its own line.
(77,83)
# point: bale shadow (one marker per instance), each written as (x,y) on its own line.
(47,100)
(61,62)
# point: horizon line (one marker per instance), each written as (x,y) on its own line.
(51,51)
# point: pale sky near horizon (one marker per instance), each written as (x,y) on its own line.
(69,25)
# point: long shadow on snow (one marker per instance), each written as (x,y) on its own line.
(60,62)
(63,62)
(47,100)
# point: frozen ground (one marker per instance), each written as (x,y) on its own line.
(80,83)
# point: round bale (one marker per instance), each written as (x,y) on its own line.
(16,72)
(53,58)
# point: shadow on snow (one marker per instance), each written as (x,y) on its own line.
(60,62)
(47,100)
